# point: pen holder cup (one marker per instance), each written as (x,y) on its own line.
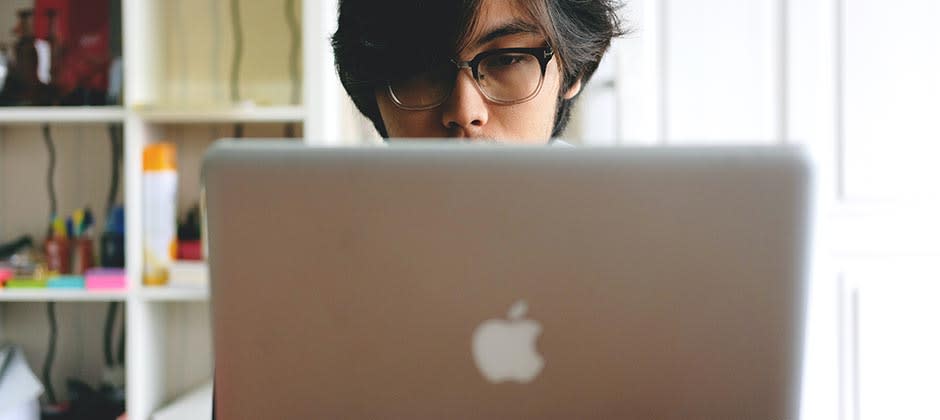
(58,255)
(83,256)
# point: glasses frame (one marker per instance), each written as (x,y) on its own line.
(542,54)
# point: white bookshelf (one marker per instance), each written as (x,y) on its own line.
(173,294)
(62,115)
(52,295)
(148,294)
(153,312)
(156,314)
(244,114)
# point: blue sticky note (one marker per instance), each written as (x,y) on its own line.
(66,282)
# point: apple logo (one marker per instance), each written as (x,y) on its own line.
(505,350)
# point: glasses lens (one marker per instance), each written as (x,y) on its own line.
(425,89)
(510,77)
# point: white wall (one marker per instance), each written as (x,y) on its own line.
(858,83)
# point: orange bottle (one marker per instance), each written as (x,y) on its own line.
(160,182)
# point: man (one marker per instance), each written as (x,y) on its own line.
(496,70)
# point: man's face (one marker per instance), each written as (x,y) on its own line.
(467,113)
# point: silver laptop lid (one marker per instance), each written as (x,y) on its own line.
(606,283)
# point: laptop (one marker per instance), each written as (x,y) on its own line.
(436,281)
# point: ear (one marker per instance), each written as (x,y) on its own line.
(574,90)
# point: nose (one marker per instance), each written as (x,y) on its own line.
(465,111)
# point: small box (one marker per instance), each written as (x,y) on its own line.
(66,282)
(189,250)
(26,284)
(105,279)
(189,274)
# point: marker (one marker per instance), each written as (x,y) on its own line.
(59,228)
(78,217)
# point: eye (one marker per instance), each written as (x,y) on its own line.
(506,60)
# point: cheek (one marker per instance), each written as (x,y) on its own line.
(408,124)
(532,121)
(552,85)
(541,109)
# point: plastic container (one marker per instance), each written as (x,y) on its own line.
(83,256)
(160,181)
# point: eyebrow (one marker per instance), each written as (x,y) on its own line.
(511,28)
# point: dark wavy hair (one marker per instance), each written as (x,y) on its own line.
(380,40)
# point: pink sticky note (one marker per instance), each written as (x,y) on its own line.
(105,279)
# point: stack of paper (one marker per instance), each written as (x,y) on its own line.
(19,388)
(189,274)
(196,405)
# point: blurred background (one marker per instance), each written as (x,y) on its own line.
(88,86)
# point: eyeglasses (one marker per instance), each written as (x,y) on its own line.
(505,76)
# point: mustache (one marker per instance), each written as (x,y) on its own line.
(485,140)
(464,137)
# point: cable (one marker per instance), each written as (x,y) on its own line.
(120,349)
(214,12)
(50,307)
(50,175)
(109,334)
(114,132)
(50,354)
(294,58)
(237,55)
(181,38)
